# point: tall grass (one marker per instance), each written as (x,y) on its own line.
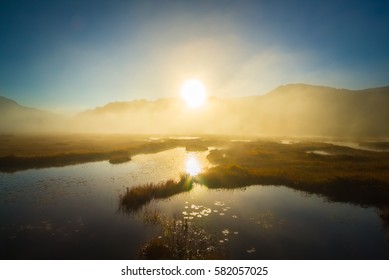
(135,198)
(182,240)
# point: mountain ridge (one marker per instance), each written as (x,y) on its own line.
(15,118)
(4,101)
(291,110)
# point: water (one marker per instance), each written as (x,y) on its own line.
(72,213)
(276,222)
(322,153)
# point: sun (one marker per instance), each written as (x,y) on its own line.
(194,93)
(192,165)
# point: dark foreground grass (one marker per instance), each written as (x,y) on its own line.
(135,198)
(181,240)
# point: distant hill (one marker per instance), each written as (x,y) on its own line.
(289,110)
(15,118)
(296,109)
(319,111)
(7,103)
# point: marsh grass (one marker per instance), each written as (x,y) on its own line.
(120,157)
(12,163)
(181,240)
(196,147)
(349,175)
(135,198)
(21,152)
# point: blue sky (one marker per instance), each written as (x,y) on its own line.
(73,55)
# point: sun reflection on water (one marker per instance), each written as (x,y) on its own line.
(192,165)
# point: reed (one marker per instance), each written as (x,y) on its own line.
(135,198)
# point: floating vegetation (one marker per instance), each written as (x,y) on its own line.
(206,211)
(218,203)
(252,250)
(135,198)
(201,211)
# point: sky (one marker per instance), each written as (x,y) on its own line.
(74,55)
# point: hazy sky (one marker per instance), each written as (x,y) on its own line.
(82,54)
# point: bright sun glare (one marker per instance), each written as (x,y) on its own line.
(192,165)
(194,93)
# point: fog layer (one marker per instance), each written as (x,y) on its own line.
(292,110)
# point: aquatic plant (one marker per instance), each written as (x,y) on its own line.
(135,198)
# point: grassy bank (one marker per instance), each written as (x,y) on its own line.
(340,173)
(21,152)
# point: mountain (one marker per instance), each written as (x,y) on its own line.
(289,110)
(7,103)
(15,118)
(320,111)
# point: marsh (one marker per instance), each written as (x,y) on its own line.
(257,199)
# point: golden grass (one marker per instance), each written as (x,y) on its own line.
(347,175)
(20,152)
(135,198)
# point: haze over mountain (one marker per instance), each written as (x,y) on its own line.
(290,110)
(15,118)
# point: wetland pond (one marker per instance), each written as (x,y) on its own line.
(73,212)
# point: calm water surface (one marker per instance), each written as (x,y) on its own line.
(72,213)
